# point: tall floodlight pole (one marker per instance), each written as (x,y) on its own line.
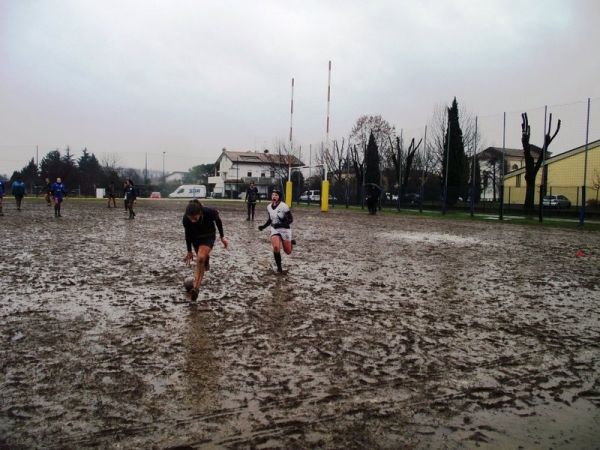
(585,164)
(325,189)
(502,167)
(422,191)
(446,171)
(399,156)
(543,181)
(472,199)
(164,166)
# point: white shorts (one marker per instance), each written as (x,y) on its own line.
(285,233)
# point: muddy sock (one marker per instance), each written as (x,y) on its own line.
(277,256)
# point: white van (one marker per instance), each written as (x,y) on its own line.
(313,196)
(189,191)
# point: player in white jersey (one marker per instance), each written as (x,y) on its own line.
(280,219)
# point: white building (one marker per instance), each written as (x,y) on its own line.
(235,170)
(490,161)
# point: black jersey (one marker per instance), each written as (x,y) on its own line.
(252,194)
(205,227)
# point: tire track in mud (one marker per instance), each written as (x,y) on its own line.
(407,338)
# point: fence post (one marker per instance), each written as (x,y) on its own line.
(472,205)
(502,178)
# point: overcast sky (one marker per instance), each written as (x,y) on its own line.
(188,78)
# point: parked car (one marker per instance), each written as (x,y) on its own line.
(411,199)
(313,196)
(556,201)
(155,195)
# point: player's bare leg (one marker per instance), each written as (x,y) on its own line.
(276,244)
(201,263)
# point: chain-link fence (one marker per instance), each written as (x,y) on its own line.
(563,175)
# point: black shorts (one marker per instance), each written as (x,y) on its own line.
(207,241)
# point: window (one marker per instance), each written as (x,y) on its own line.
(518,181)
(262,174)
(272,174)
(249,174)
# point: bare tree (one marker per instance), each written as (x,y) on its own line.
(282,159)
(531,165)
(404,161)
(109,160)
(596,183)
(383,133)
(336,161)
(357,160)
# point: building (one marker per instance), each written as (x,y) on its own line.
(490,161)
(235,170)
(565,176)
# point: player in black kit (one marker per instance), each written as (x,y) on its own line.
(200,224)
(251,198)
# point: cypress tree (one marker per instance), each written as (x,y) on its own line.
(455,158)
(372,174)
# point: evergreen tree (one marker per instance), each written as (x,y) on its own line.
(372,173)
(90,173)
(454,163)
(51,165)
(29,175)
(70,172)
(199,174)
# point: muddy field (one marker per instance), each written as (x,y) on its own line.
(386,332)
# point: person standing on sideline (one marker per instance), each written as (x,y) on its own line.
(251,198)
(18,190)
(199,223)
(125,185)
(48,192)
(280,219)
(130,197)
(373,194)
(58,194)
(111,194)
(1,196)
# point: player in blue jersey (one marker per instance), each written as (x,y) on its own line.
(1,196)
(58,194)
